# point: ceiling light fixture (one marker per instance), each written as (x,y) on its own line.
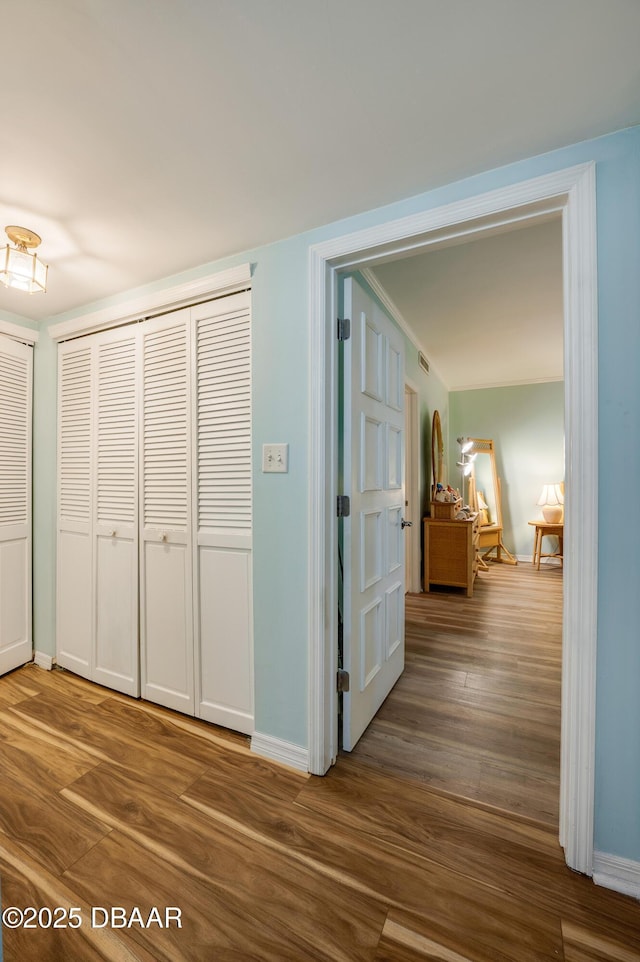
(19,268)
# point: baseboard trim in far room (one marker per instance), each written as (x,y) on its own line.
(617,873)
(544,562)
(42,660)
(278,750)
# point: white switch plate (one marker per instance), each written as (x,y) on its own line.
(275,458)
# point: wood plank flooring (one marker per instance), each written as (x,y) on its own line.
(107,802)
(477,711)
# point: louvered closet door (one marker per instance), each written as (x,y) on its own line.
(222,492)
(165,494)
(115,529)
(75,483)
(16,362)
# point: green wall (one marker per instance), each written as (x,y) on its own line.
(526,424)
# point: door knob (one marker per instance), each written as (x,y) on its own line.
(406,524)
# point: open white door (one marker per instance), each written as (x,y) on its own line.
(16,366)
(373,540)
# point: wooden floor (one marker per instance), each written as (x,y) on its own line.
(107,802)
(477,711)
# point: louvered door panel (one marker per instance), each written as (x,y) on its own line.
(223,492)
(224,422)
(116,661)
(165,491)
(75,479)
(16,362)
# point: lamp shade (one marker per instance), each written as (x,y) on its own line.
(551,500)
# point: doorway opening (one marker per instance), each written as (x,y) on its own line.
(476,711)
(571,193)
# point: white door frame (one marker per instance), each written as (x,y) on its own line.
(570,192)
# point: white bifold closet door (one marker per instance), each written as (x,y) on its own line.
(154,518)
(115,512)
(166,615)
(16,372)
(97,607)
(223,517)
(74,600)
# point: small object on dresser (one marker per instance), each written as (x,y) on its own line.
(445,509)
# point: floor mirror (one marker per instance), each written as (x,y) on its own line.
(485,498)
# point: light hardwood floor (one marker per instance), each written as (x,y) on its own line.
(477,711)
(107,802)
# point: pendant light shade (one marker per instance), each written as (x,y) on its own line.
(19,268)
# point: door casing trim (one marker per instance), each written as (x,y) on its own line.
(571,192)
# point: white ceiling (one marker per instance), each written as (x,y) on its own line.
(143,137)
(488,312)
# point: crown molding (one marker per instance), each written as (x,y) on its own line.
(495,384)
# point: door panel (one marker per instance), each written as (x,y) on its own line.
(169,652)
(74,601)
(226,629)
(222,490)
(373,459)
(166,615)
(15,571)
(16,365)
(116,642)
(115,512)
(74,588)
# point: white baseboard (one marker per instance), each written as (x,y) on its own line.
(43,660)
(280,751)
(544,562)
(617,873)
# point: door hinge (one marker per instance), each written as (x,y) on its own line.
(342,680)
(344,328)
(344,505)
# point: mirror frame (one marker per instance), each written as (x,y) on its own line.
(437,451)
(486,446)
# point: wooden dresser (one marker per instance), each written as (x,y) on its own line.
(451,552)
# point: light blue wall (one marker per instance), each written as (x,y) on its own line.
(527,426)
(281,367)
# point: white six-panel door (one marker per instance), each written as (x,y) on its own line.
(16,366)
(373,539)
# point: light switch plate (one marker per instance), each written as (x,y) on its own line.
(275,458)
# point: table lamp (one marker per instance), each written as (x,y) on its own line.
(551,500)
